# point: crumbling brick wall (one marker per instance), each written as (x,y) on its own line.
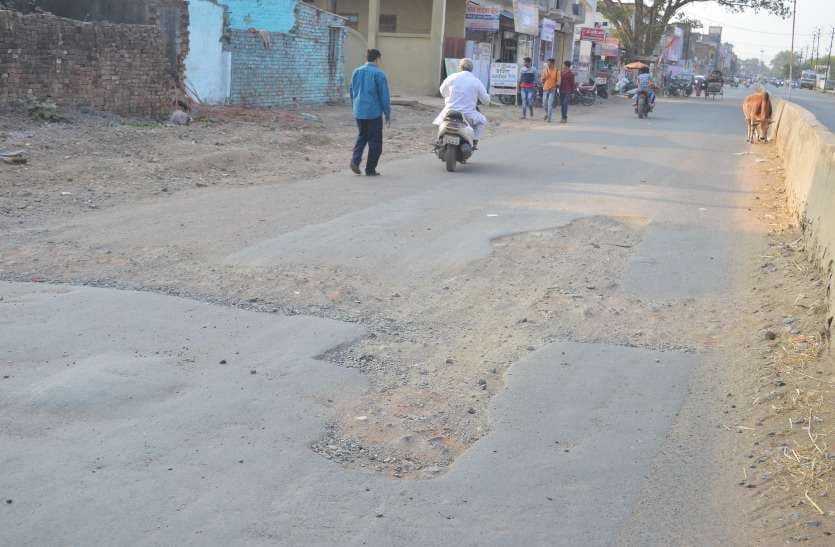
(303,66)
(122,68)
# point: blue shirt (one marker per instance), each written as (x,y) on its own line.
(370,93)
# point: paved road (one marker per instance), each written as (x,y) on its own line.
(137,418)
(822,105)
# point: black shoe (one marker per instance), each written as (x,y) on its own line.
(373,174)
(475,144)
(355,168)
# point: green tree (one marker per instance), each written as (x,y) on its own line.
(753,67)
(640,24)
(781,62)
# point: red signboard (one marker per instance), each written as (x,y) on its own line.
(593,34)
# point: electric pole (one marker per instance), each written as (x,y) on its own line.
(818,50)
(791,57)
(829,58)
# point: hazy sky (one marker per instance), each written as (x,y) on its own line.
(751,33)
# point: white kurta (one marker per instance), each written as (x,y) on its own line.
(461,93)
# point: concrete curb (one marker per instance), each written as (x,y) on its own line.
(807,149)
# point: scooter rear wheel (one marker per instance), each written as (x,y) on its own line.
(450,158)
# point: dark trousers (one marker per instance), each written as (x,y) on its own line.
(564,99)
(370,133)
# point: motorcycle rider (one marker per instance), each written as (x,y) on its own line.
(645,85)
(462,92)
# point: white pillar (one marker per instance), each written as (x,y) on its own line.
(373,22)
(437,43)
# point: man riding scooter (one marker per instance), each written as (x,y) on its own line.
(645,85)
(462,92)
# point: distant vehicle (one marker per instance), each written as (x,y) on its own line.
(680,85)
(808,79)
(795,84)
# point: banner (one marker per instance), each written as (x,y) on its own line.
(526,17)
(674,45)
(549,28)
(482,18)
(504,75)
(593,34)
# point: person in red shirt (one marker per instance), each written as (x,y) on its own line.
(567,88)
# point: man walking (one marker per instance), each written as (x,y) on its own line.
(567,89)
(371,101)
(527,87)
(550,86)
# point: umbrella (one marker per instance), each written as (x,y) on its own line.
(636,65)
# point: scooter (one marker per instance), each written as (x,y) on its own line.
(455,140)
(586,94)
(643,108)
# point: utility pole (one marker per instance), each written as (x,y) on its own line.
(818,50)
(791,58)
(829,58)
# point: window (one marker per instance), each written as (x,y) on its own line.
(388,23)
(334,38)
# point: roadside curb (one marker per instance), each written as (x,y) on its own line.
(807,150)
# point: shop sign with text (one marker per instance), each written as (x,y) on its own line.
(482,18)
(592,34)
(526,17)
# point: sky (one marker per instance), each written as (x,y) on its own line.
(752,33)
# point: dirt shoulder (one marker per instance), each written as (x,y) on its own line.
(778,417)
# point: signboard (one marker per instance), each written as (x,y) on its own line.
(609,48)
(504,75)
(715,34)
(593,34)
(482,18)
(526,17)
(451,66)
(549,27)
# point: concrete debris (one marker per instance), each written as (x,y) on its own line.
(14,158)
(178,117)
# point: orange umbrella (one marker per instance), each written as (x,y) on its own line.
(636,65)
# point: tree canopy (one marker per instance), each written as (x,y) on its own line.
(640,34)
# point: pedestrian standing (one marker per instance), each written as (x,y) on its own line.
(527,87)
(371,101)
(550,88)
(567,89)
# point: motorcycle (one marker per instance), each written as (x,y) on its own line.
(455,140)
(643,108)
(585,94)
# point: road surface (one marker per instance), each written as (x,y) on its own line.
(822,105)
(534,364)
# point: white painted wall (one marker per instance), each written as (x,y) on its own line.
(208,67)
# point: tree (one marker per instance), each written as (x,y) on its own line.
(640,24)
(753,67)
(781,62)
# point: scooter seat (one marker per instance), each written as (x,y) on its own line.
(454,115)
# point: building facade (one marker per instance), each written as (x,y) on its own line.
(418,38)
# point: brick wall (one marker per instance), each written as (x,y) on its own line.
(270,15)
(112,67)
(303,66)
